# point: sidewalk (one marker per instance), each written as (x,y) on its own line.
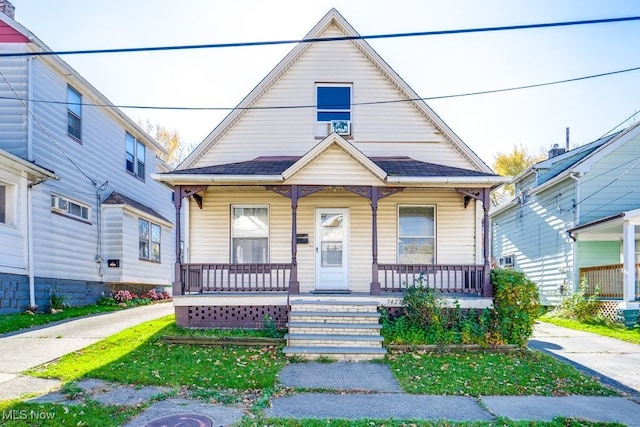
(22,351)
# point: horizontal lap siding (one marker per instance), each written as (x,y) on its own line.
(383,129)
(13,126)
(13,235)
(611,186)
(334,168)
(535,233)
(113,245)
(210,237)
(455,226)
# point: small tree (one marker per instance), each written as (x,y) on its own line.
(512,164)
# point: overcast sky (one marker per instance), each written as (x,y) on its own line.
(432,65)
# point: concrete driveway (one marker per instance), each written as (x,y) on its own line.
(614,362)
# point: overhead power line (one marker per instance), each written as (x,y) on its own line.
(327,39)
(289,107)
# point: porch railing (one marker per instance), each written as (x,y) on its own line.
(607,280)
(199,278)
(443,277)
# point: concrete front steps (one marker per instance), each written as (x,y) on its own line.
(338,330)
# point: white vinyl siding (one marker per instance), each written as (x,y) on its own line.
(293,131)
(13,236)
(13,126)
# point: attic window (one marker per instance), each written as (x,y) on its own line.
(333,109)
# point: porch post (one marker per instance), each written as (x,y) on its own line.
(375,283)
(294,284)
(629,261)
(177,202)
(487,287)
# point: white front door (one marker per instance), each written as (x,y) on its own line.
(332,249)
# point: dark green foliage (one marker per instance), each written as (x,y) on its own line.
(431,319)
(516,305)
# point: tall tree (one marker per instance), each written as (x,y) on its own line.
(512,164)
(170,139)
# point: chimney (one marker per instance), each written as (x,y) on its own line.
(8,9)
(556,151)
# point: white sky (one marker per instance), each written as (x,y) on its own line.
(432,65)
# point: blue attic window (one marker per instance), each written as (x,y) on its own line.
(333,103)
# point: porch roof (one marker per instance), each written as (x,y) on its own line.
(606,228)
(272,167)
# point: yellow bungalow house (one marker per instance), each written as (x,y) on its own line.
(328,190)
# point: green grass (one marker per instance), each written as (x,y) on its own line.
(139,356)
(18,321)
(631,335)
(475,374)
(23,414)
(500,422)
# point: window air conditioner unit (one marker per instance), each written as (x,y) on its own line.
(341,127)
(59,204)
(506,261)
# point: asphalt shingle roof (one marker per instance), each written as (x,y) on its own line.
(396,166)
(118,199)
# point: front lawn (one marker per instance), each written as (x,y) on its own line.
(490,374)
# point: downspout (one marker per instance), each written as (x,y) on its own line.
(30,269)
(576,219)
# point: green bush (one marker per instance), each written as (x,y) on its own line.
(516,305)
(579,306)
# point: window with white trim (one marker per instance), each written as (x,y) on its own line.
(149,240)
(135,155)
(416,234)
(67,207)
(249,234)
(74,113)
(6,203)
(333,108)
(506,261)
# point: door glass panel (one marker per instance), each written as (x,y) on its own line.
(331,240)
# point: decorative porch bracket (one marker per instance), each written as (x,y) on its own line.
(374,194)
(294,192)
(482,194)
(180,192)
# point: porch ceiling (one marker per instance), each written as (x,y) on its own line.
(609,228)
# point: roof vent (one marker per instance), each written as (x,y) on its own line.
(556,151)
(8,9)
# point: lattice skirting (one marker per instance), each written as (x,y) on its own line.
(609,310)
(251,316)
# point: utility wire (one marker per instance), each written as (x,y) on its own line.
(289,107)
(620,124)
(326,39)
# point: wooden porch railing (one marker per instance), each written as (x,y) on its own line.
(607,280)
(443,277)
(199,278)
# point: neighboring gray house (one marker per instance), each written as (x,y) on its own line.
(576,215)
(79,212)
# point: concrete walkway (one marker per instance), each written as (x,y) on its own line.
(25,350)
(616,363)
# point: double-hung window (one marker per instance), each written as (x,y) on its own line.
(74,113)
(416,234)
(149,240)
(135,155)
(249,234)
(333,107)
(5,203)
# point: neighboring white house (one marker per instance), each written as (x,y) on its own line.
(79,211)
(576,215)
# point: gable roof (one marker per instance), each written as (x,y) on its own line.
(116,198)
(333,17)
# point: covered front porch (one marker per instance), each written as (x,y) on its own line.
(608,259)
